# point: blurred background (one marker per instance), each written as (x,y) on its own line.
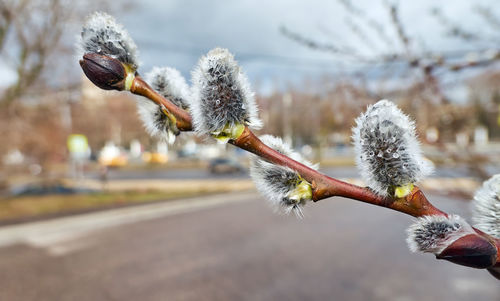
(76,163)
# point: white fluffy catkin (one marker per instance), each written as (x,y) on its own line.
(102,35)
(486,207)
(433,234)
(156,123)
(221,94)
(388,153)
(278,183)
(169,83)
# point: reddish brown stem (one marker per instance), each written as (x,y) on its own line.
(323,186)
(183,119)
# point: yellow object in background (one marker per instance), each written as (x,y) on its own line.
(112,156)
(117,161)
(155,158)
(77,143)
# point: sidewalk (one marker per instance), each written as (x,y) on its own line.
(171,185)
(439,185)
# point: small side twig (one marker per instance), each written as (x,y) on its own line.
(183,119)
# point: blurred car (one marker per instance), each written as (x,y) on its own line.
(225,165)
(112,156)
(118,161)
(154,158)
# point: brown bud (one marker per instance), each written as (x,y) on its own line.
(471,250)
(105,72)
(495,272)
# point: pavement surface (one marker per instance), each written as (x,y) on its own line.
(231,247)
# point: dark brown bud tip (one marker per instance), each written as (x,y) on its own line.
(495,272)
(105,72)
(471,250)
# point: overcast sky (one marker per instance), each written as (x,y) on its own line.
(177,32)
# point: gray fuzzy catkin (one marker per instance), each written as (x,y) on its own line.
(275,182)
(433,234)
(221,94)
(155,121)
(486,207)
(102,35)
(387,150)
(169,83)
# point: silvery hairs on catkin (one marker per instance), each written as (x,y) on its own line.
(221,94)
(155,121)
(486,207)
(169,83)
(275,182)
(433,234)
(102,35)
(387,150)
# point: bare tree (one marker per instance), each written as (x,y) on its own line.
(424,68)
(425,65)
(34,31)
(34,38)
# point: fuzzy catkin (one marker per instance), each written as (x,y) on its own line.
(276,182)
(388,153)
(102,35)
(486,207)
(221,94)
(432,234)
(169,83)
(156,123)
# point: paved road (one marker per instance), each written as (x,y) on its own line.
(167,173)
(230,247)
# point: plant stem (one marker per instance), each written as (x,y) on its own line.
(183,119)
(323,186)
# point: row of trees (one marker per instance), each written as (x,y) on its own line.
(27,128)
(334,110)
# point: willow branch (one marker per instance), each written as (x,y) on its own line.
(415,203)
